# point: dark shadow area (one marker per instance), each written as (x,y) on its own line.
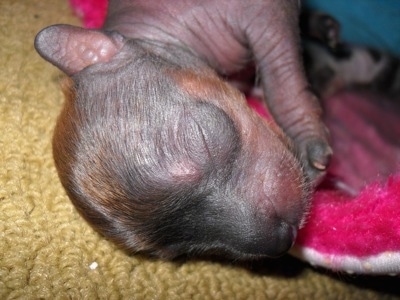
(383,284)
(290,267)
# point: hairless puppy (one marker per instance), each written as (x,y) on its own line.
(163,156)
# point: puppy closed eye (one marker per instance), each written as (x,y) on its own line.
(207,133)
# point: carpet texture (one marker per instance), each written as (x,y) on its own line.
(47,251)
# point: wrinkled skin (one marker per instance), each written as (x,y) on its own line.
(160,154)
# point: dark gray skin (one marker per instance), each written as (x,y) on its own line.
(160,154)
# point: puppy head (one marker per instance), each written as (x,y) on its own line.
(163,157)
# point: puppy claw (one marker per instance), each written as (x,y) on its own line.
(316,158)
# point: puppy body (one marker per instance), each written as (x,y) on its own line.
(160,154)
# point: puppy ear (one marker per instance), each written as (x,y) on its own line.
(72,48)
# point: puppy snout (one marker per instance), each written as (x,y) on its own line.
(270,241)
(284,240)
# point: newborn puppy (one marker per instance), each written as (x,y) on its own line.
(160,154)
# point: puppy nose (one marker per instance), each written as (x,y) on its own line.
(285,239)
(270,241)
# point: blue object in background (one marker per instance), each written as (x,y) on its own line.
(373,23)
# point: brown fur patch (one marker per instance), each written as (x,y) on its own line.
(206,85)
